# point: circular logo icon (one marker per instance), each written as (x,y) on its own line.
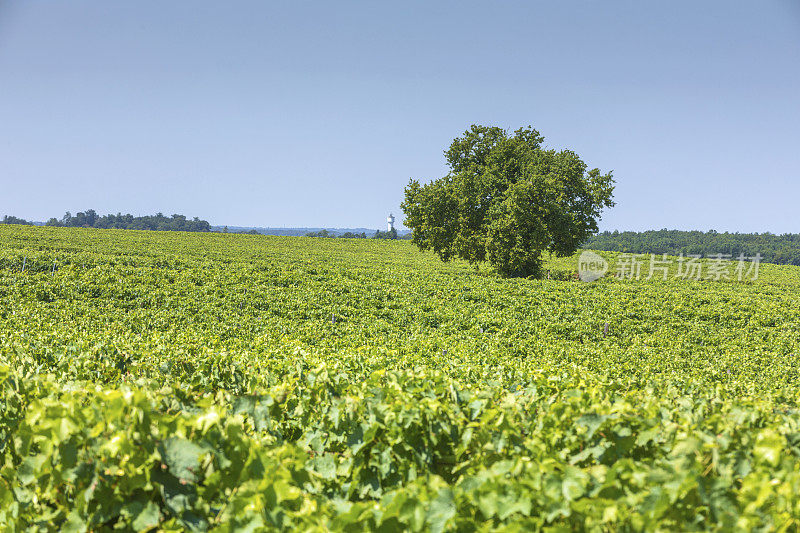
(591,266)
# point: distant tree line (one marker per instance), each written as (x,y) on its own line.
(392,234)
(352,235)
(325,234)
(780,249)
(8,219)
(157,222)
(240,232)
(160,222)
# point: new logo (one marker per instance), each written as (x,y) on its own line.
(591,266)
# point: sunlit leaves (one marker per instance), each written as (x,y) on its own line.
(185,382)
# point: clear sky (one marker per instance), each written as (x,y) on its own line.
(257,113)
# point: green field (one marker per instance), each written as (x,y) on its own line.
(177,381)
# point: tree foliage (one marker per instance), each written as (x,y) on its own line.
(506,200)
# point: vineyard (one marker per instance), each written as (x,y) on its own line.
(182,381)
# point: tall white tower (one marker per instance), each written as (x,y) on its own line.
(390,222)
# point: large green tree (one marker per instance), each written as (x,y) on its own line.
(507,200)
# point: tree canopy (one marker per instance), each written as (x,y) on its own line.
(507,200)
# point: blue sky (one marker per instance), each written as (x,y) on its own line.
(317,113)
